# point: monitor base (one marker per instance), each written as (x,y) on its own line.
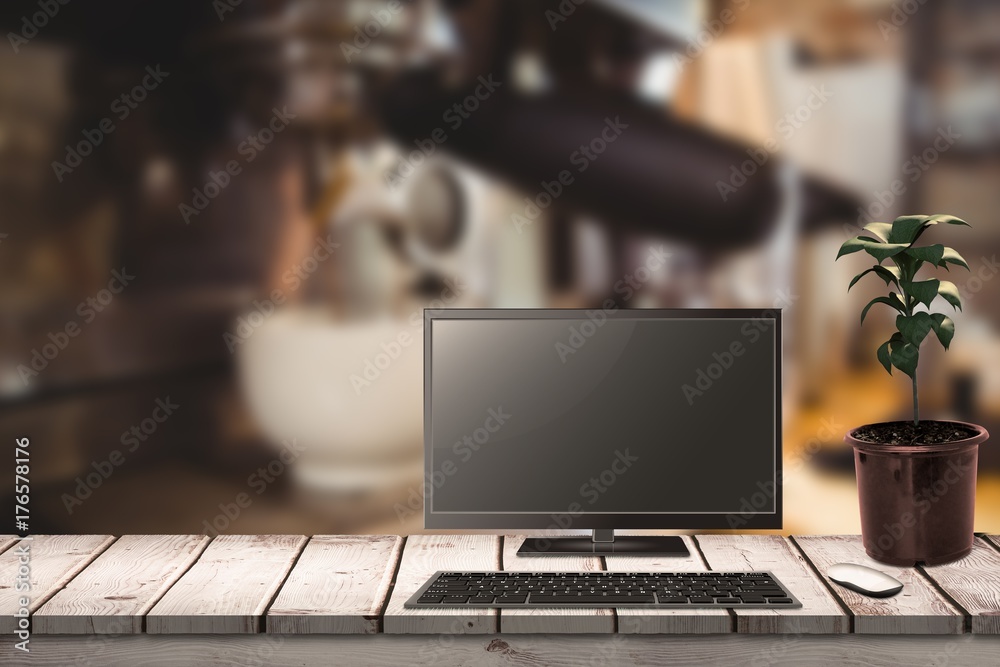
(647,545)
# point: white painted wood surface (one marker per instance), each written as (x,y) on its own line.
(342,584)
(423,555)
(114,592)
(917,609)
(570,621)
(669,621)
(974,583)
(820,612)
(508,651)
(338,586)
(53,561)
(7,541)
(229,588)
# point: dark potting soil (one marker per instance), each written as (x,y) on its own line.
(905,433)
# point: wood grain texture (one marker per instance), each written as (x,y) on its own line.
(668,621)
(820,612)
(6,542)
(339,585)
(115,591)
(53,559)
(974,583)
(570,621)
(994,539)
(229,588)
(507,651)
(423,555)
(918,609)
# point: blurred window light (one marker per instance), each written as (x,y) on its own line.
(530,74)
(436,30)
(659,77)
(680,18)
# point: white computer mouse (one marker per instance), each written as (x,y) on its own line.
(864,580)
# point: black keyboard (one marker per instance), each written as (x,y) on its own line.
(522,590)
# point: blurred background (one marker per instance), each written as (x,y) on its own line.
(220,222)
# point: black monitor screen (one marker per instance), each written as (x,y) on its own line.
(601,414)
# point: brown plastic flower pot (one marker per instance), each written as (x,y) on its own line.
(917,501)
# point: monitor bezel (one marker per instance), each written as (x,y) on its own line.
(522,521)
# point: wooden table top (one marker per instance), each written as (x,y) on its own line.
(357,584)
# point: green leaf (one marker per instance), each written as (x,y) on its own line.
(949,291)
(883,357)
(873,247)
(924,291)
(951,257)
(904,356)
(915,327)
(889,274)
(891,300)
(948,219)
(944,328)
(906,228)
(854,245)
(931,253)
(879,229)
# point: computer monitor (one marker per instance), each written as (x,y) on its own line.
(603,419)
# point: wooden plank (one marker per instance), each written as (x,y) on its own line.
(974,583)
(506,650)
(552,620)
(338,586)
(820,612)
(918,609)
(423,555)
(669,621)
(53,559)
(115,591)
(7,541)
(229,587)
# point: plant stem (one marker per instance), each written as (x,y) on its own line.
(916,405)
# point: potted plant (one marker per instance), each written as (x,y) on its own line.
(916,479)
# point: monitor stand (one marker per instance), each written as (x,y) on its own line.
(603,542)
